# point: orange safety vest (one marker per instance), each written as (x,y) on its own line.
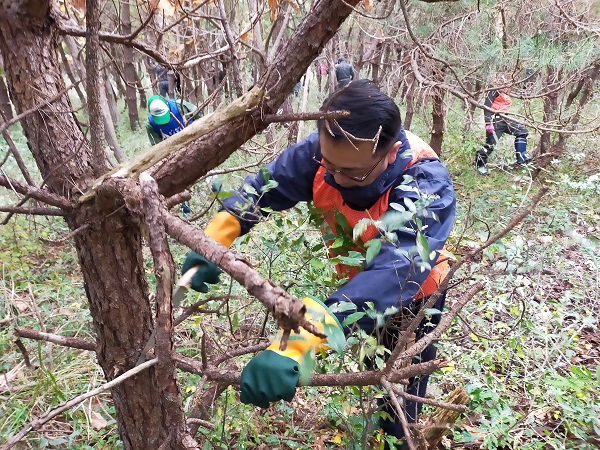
(501,103)
(328,200)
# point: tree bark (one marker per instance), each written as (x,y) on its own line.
(129,70)
(438,114)
(5,105)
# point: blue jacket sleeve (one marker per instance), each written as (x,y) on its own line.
(392,279)
(294,171)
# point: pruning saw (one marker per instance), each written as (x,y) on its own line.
(183,285)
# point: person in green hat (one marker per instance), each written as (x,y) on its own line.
(168,117)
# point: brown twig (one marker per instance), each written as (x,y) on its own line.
(23,351)
(400,413)
(65,341)
(37,193)
(33,211)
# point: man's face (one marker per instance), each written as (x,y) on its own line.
(343,160)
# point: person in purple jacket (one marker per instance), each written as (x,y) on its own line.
(361,166)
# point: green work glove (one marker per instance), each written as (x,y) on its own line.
(207,272)
(274,374)
(269,377)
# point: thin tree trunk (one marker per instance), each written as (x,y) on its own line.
(129,70)
(108,107)
(410,103)
(72,78)
(5,105)
(438,114)
(584,87)
(238,82)
(111,100)
(550,108)
(140,88)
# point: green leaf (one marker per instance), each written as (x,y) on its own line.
(341,222)
(250,189)
(410,205)
(423,247)
(397,207)
(352,318)
(339,242)
(374,245)
(317,263)
(270,185)
(335,337)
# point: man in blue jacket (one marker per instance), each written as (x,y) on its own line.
(167,117)
(363,166)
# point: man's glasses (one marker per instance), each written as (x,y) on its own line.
(341,172)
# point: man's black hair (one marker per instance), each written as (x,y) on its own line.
(369,109)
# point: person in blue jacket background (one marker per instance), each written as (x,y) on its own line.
(353,166)
(167,117)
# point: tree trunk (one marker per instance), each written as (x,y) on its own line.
(110,251)
(550,108)
(5,106)
(108,108)
(72,78)
(140,87)
(438,114)
(129,70)
(410,102)
(111,99)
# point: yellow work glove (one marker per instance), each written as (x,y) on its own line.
(223,228)
(274,374)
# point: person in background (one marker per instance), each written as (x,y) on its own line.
(162,77)
(166,118)
(498,100)
(322,71)
(344,72)
(350,168)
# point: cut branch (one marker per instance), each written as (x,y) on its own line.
(287,310)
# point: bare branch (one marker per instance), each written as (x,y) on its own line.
(37,193)
(32,211)
(65,341)
(55,411)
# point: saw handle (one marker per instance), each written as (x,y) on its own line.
(186,279)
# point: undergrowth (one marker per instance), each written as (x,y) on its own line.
(525,348)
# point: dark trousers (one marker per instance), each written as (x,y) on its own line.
(417,385)
(503,126)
